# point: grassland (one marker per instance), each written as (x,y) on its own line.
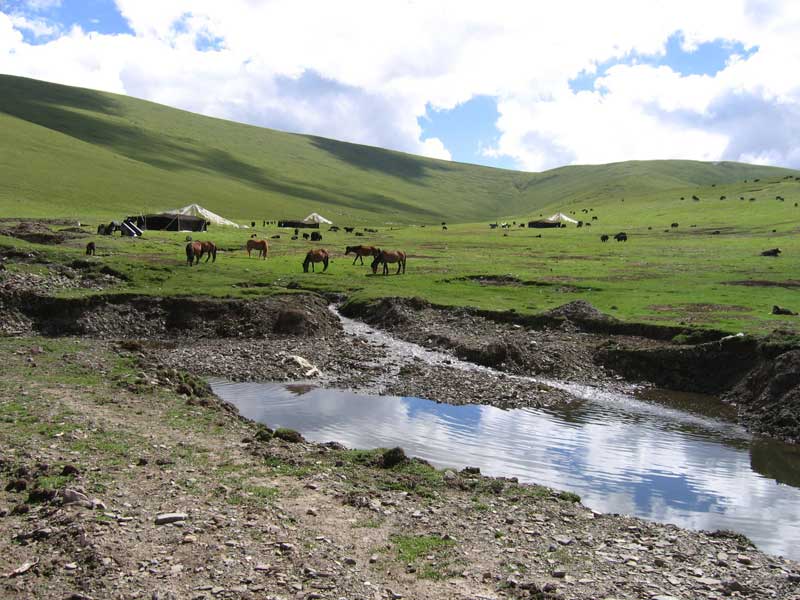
(68,151)
(94,156)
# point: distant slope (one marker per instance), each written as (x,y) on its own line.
(70,151)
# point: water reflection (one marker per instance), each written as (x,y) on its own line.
(620,454)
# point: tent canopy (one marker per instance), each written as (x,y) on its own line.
(560,218)
(195,210)
(317,218)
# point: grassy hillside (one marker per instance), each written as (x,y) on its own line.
(74,152)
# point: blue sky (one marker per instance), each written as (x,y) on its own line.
(511,85)
(101,16)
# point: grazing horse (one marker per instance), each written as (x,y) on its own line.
(194,251)
(209,248)
(361,252)
(389,256)
(315,256)
(90,249)
(261,245)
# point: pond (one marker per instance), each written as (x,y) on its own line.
(641,456)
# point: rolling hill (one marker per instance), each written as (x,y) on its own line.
(67,151)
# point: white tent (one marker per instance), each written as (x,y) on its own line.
(317,218)
(195,210)
(559,218)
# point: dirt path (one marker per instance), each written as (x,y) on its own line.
(96,444)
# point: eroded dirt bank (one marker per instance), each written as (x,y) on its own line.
(123,478)
(761,377)
(259,340)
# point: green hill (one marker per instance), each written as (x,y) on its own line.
(68,151)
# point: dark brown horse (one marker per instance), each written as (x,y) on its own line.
(91,248)
(261,245)
(361,252)
(315,256)
(195,251)
(389,256)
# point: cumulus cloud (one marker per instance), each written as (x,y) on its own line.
(365,72)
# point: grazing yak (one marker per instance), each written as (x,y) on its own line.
(673,225)
(349,229)
(316,236)
(91,249)
(777,310)
(621,237)
(604,238)
(771,252)
(594,217)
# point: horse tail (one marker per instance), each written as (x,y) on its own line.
(189,253)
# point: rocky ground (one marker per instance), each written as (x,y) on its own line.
(123,478)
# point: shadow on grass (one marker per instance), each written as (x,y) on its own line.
(67,111)
(369,158)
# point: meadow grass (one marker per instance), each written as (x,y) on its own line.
(94,156)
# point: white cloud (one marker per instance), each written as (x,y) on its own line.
(38,27)
(365,71)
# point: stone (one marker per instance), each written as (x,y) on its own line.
(166,518)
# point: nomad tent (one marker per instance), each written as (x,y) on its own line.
(318,219)
(189,218)
(298,224)
(195,210)
(169,222)
(553,221)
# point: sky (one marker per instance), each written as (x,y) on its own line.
(521,85)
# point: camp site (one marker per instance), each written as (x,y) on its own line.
(436,321)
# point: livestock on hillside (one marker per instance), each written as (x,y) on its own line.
(389,256)
(315,256)
(361,252)
(196,250)
(316,236)
(91,249)
(771,252)
(261,245)
(621,237)
(673,225)
(604,238)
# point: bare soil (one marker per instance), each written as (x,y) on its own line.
(100,444)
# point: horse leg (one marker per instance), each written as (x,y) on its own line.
(325,262)
(399,264)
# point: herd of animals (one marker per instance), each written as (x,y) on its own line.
(196,250)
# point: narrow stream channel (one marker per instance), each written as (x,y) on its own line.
(619,453)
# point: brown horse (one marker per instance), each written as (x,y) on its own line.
(195,251)
(261,245)
(315,256)
(389,256)
(361,252)
(91,249)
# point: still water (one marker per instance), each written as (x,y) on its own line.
(621,454)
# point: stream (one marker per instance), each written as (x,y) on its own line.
(643,454)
